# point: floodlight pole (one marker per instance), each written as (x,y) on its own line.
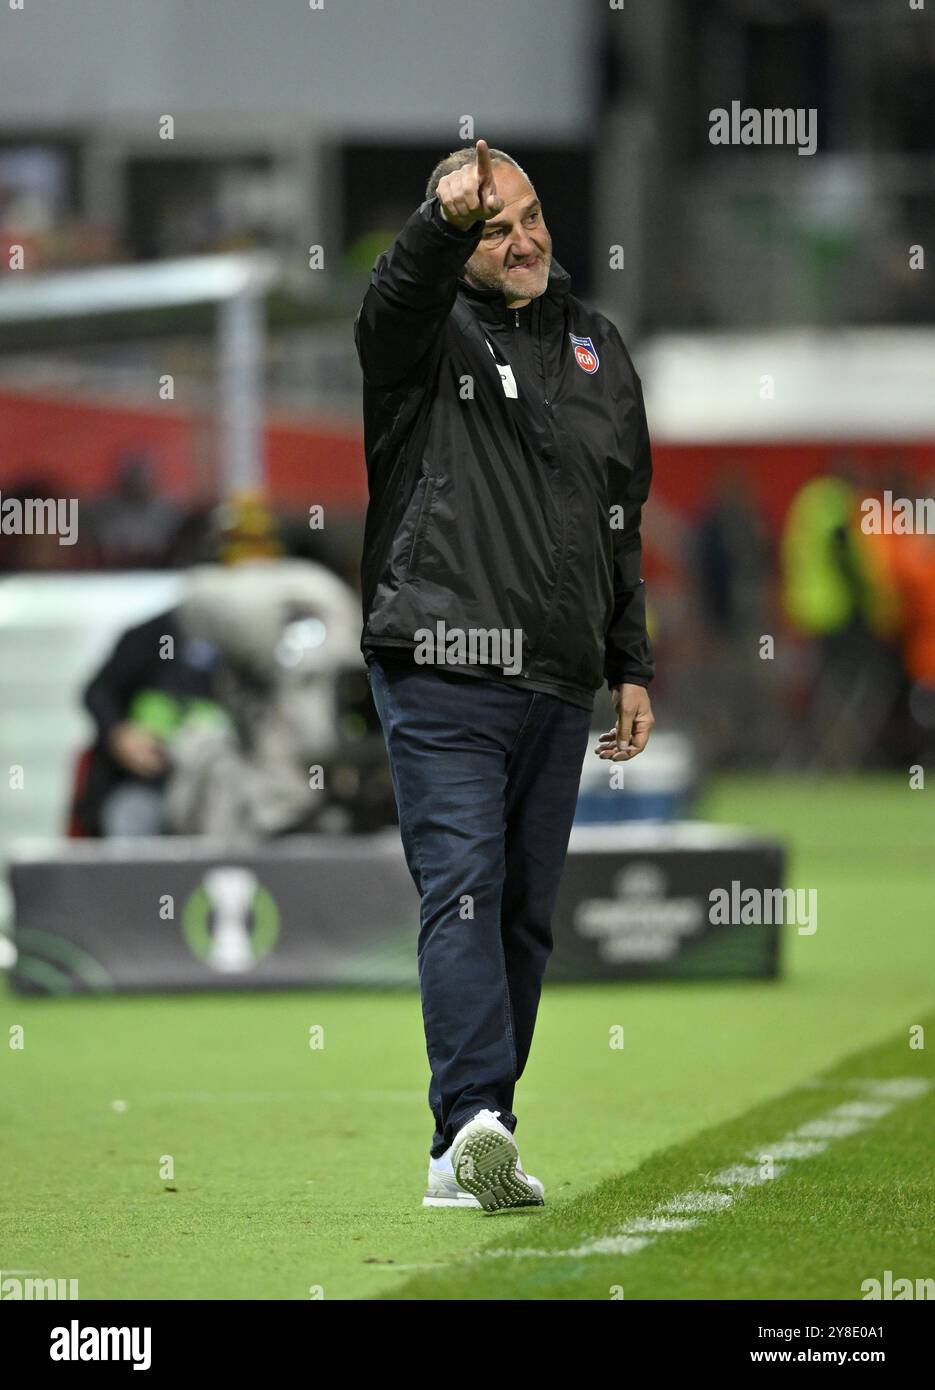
(241,336)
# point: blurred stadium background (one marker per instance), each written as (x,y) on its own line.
(191,200)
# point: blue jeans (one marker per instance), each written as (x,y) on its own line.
(486,780)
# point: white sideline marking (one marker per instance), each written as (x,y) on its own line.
(659,1224)
(744,1175)
(621,1244)
(828,1128)
(864,1109)
(610,1245)
(634,1236)
(698,1201)
(896,1088)
(791,1148)
(802,1143)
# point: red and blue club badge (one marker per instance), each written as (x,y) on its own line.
(585,355)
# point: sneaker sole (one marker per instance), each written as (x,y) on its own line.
(485,1166)
(466,1201)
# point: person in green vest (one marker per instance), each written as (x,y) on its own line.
(831,595)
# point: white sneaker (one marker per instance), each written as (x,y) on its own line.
(486,1165)
(442,1190)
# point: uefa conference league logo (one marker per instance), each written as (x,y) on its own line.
(230,921)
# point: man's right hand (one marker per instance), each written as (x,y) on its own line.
(139,751)
(469,195)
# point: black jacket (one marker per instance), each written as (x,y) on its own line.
(495,509)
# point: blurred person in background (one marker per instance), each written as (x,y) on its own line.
(286,632)
(210,717)
(359,256)
(831,596)
(733,560)
(159,679)
(37,552)
(903,568)
(733,565)
(134,526)
(155,679)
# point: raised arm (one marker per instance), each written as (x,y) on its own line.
(414,283)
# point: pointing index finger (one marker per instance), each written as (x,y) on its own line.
(484,166)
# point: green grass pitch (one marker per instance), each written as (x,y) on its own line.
(298,1172)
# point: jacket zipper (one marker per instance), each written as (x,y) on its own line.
(560,570)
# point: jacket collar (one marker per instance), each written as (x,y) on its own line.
(490,304)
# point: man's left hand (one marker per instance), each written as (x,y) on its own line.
(634,725)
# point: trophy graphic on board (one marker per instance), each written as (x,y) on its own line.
(231,893)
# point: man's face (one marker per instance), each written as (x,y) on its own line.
(515,249)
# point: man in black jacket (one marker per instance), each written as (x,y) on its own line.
(508,460)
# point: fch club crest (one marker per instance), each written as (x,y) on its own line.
(585,355)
